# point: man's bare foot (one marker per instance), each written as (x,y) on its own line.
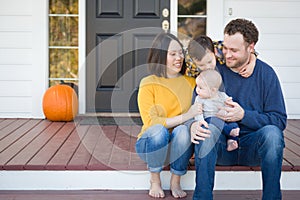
(232,145)
(176,190)
(235,132)
(156,190)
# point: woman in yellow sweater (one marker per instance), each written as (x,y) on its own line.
(164,101)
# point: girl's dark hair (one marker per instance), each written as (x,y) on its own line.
(198,47)
(157,57)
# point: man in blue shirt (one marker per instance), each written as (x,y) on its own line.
(259,109)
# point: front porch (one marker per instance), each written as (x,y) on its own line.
(43,155)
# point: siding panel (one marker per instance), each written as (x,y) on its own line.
(15,105)
(288,74)
(276,41)
(280,58)
(263,8)
(15,56)
(15,40)
(293,108)
(15,89)
(291,90)
(16,59)
(15,7)
(15,23)
(16,72)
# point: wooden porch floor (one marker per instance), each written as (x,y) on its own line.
(132,195)
(31,144)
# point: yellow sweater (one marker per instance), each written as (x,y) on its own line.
(160,98)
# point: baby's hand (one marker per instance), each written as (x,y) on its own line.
(229,99)
(195,109)
(248,69)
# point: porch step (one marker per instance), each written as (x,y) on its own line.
(130,194)
(131,180)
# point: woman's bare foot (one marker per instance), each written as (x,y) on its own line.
(176,190)
(156,190)
(232,145)
(235,132)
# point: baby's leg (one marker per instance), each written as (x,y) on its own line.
(232,145)
(235,132)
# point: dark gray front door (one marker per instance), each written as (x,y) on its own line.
(119,34)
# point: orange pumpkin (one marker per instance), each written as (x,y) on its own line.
(60,103)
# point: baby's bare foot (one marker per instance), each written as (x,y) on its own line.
(235,132)
(156,191)
(232,145)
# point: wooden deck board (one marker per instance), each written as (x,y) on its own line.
(101,157)
(15,148)
(10,126)
(40,160)
(64,154)
(29,144)
(132,195)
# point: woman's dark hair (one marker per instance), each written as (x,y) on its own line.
(157,57)
(244,27)
(198,47)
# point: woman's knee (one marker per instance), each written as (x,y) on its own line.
(157,134)
(181,133)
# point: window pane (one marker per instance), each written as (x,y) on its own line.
(63,63)
(63,6)
(191,7)
(192,27)
(63,31)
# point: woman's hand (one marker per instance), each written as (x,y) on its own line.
(199,133)
(194,110)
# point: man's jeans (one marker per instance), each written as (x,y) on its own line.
(157,147)
(261,148)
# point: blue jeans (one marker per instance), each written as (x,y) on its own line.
(263,147)
(158,147)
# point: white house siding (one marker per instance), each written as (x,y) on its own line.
(23,60)
(278,23)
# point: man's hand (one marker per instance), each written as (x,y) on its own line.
(232,112)
(199,133)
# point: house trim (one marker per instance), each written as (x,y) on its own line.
(40,54)
(82,57)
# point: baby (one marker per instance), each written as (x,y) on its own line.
(208,94)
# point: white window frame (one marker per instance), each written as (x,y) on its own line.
(214,20)
(82,57)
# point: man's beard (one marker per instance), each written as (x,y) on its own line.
(238,63)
